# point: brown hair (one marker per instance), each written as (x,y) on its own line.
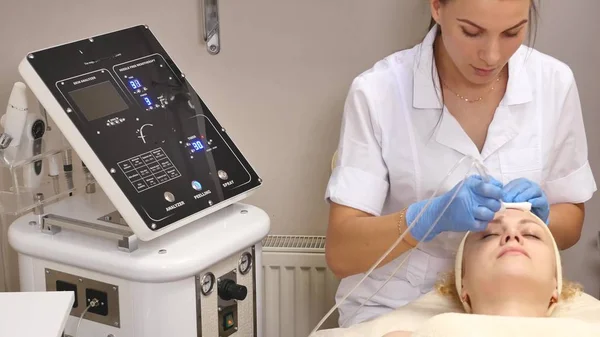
(533,19)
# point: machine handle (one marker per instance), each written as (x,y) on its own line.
(210,15)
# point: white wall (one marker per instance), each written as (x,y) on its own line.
(569,31)
(279,83)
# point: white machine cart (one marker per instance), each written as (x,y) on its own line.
(139,211)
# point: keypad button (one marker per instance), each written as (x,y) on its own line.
(158,154)
(162,178)
(144,172)
(133,176)
(151,181)
(173,173)
(148,158)
(126,166)
(137,162)
(155,168)
(140,185)
(166,163)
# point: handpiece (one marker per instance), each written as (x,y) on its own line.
(90,184)
(67,158)
(53,172)
(13,121)
(68,168)
(35,129)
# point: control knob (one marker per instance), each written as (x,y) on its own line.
(229,290)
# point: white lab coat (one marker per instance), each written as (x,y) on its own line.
(394,150)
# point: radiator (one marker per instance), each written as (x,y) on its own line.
(299,289)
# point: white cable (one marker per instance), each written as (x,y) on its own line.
(475,163)
(412,250)
(93,303)
(486,177)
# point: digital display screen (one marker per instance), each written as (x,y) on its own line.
(147,100)
(98,100)
(195,145)
(135,84)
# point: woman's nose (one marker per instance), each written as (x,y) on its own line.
(512,237)
(491,53)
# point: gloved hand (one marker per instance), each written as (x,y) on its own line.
(525,190)
(473,207)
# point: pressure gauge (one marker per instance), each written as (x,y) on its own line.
(245,263)
(207,283)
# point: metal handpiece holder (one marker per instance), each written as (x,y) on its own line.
(32,182)
(32,174)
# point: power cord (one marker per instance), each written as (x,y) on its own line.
(93,303)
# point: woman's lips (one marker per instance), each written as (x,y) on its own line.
(483,72)
(513,251)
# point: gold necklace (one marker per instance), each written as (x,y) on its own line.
(463,98)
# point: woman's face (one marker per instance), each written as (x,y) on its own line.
(480,36)
(514,249)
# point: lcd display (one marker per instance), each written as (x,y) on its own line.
(98,100)
(195,145)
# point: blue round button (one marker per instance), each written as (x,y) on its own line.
(196,185)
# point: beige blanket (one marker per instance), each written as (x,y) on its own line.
(468,325)
(433,313)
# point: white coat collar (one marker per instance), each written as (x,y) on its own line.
(426,86)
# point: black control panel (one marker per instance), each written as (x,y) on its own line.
(146,124)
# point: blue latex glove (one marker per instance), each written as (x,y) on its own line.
(471,210)
(525,190)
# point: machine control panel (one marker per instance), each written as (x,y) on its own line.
(148,127)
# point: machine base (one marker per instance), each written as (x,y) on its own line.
(202,280)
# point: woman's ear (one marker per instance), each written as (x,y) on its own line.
(554,298)
(555,293)
(553,302)
(464,296)
(465,300)
(435,6)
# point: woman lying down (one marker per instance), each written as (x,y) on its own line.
(511,269)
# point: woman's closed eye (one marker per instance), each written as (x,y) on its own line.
(514,32)
(468,33)
(488,235)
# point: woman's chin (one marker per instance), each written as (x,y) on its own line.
(514,269)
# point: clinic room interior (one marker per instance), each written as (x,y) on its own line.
(387,168)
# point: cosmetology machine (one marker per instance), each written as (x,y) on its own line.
(157,244)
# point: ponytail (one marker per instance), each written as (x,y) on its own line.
(431,24)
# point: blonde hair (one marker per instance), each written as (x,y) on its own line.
(446,286)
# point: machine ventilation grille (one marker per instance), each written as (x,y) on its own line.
(294,243)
